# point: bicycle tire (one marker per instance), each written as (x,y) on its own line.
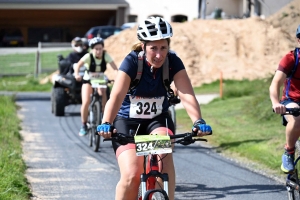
(294,194)
(172,113)
(90,132)
(97,119)
(157,196)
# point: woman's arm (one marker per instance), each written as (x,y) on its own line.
(76,70)
(187,95)
(113,65)
(118,93)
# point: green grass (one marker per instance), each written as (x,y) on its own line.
(243,123)
(24,83)
(13,183)
(26,63)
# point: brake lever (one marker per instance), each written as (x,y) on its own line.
(185,142)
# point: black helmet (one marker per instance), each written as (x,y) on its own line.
(154,28)
(96,40)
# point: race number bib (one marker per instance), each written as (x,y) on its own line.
(152,144)
(145,107)
(97,79)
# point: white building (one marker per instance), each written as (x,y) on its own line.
(188,10)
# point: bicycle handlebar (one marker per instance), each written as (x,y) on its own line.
(291,111)
(185,138)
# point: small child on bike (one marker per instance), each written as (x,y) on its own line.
(145,107)
(95,61)
(288,74)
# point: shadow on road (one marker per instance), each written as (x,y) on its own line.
(200,190)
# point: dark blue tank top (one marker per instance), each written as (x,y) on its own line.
(150,84)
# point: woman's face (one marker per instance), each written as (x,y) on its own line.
(156,52)
(98,50)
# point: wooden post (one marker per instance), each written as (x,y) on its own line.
(221,84)
(37,60)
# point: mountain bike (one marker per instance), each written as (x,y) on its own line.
(293,179)
(150,146)
(98,80)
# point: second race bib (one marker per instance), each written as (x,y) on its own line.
(145,107)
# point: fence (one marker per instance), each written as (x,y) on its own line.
(32,60)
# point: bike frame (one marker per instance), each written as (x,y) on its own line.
(148,178)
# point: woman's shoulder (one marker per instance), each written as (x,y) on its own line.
(131,57)
(173,55)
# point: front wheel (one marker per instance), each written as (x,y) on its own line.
(172,114)
(95,138)
(94,119)
(158,196)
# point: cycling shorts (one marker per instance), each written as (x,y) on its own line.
(86,81)
(286,102)
(143,127)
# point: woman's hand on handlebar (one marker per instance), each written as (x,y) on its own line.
(201,128)
(106,129)
(279,108)
(78,77)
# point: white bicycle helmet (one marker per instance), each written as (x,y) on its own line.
(96,40)
(154,28)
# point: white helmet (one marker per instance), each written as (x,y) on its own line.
(154,28)
(96,40)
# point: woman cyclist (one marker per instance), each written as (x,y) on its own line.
(127,109)
(94,62)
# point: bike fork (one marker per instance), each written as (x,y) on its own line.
(148,179)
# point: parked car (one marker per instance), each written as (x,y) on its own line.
(102,31)
(128,25)
(13,37)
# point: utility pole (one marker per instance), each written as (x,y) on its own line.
(203,9)
(199,9)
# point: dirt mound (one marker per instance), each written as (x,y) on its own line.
(288,18)
(239,48)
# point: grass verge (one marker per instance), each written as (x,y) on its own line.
(243,123)
(24,84)
(26,63)
(13,183)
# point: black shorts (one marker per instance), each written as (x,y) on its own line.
(86,81)
(142,126)
(286,102)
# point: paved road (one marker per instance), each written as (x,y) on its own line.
(62,166)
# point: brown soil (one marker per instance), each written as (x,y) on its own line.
(238,48)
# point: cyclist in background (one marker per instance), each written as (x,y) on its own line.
(94,62)
(128,109)
(78,51)
(290,98)
(77,54)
